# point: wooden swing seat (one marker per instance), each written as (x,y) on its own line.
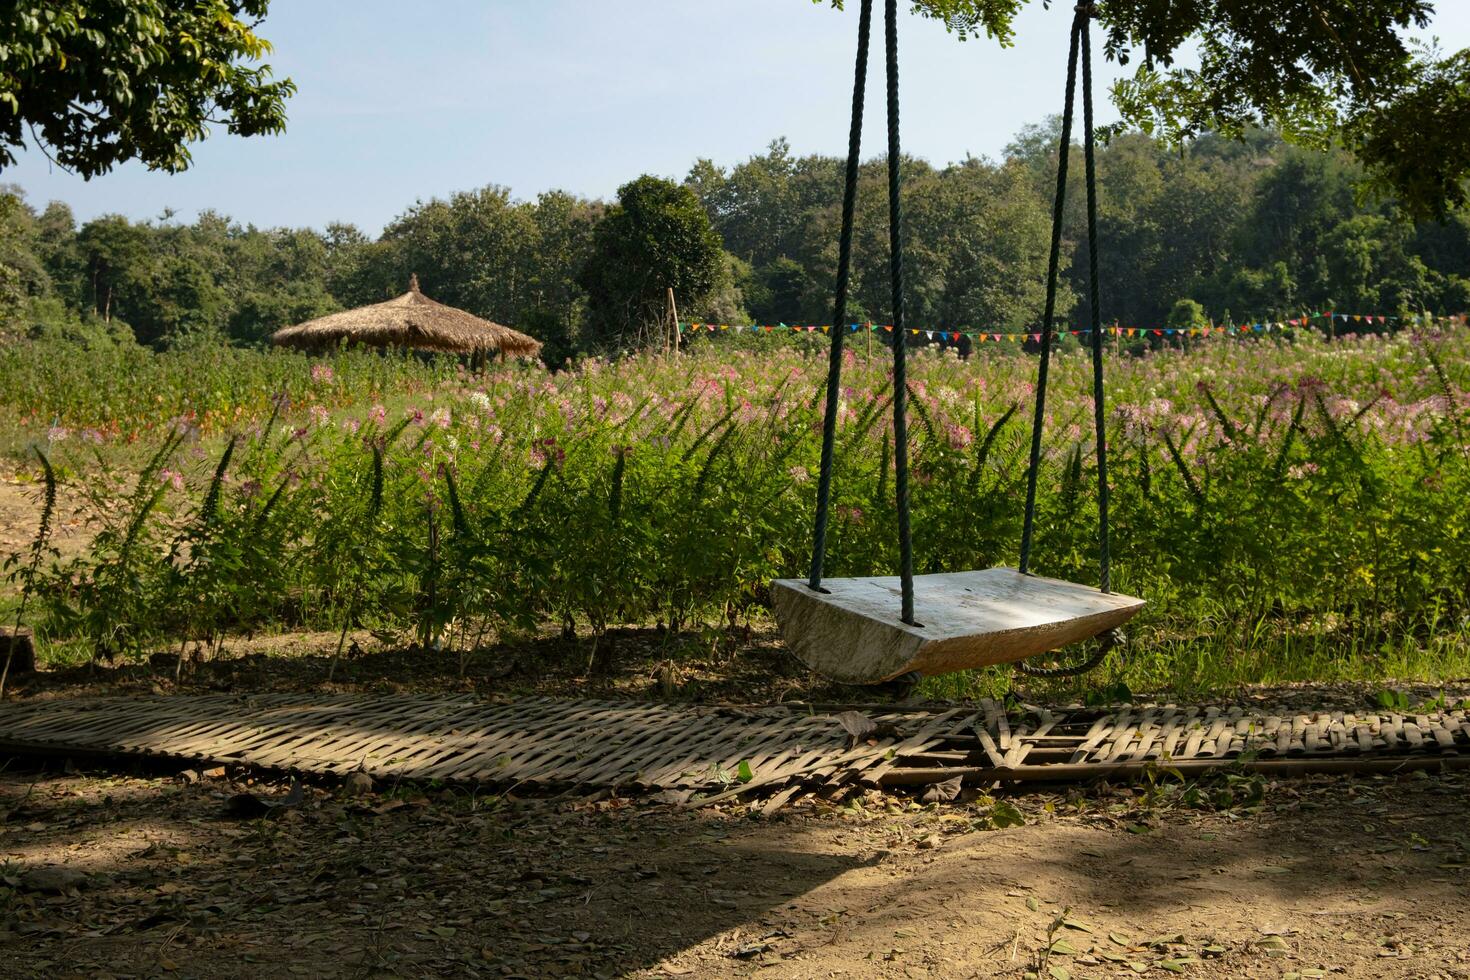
(852,631)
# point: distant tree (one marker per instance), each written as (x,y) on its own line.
(99,82)
(656,237)
(1369,267)
(753,206)
(757,206)
(725,300)
(557,304)
(278,278)
(56,246)
(975,240)
(1164,221)
(977,249)
(1271,291)
(22,274)
(1444,248)
(118,264)
(782,290)
(1186,315)
(473,251)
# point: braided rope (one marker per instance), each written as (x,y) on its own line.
(900,345)
(844,265)
(1106,642)
(1081,38)
(1053,262)
(1098,393)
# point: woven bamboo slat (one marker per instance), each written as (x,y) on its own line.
(786,751)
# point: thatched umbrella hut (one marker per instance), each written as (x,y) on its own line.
(412,320)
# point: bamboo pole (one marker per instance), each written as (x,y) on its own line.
(674,318)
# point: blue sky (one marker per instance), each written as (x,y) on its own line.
(400,102)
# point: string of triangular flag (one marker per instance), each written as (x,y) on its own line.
(982,336)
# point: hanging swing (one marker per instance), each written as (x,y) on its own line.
(875,629)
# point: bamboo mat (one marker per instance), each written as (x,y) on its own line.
(712,753)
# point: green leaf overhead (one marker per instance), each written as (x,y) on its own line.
(101,82)
(1320,71)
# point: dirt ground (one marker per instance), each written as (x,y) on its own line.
(20,509)
(1322,877)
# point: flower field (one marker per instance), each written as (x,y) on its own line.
(1291,508)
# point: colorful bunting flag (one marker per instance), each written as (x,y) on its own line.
(981,336)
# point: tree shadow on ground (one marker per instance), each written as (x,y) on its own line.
(449,882)
(424,885)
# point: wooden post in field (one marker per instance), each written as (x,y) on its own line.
(674,317)
(868,329)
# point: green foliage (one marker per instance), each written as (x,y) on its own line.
(1394,700)
(101,83)
(967,18)
(24,570)
(1414,144)
(1303,510)
(1186,315)
(657,237)
(111,597)
(993,814)
(1165,788)
(204,562)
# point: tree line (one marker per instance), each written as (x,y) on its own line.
(1223,229)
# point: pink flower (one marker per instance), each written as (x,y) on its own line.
(172,477)
(546,450)
(378,415)
(321,373)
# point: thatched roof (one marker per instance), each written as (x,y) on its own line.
(411,320)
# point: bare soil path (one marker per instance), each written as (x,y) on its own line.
(1321,877)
